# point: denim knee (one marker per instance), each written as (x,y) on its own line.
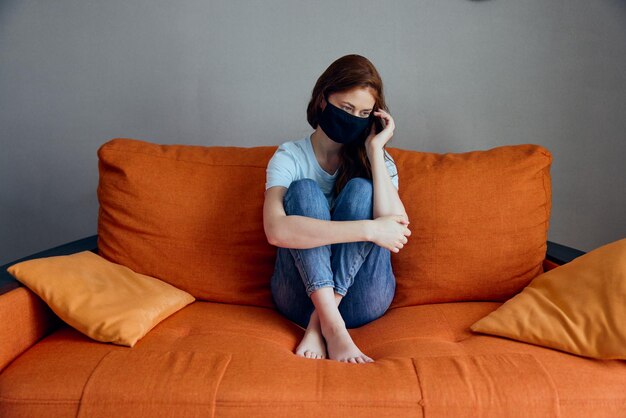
(305,198)
(355,201)
(360,182)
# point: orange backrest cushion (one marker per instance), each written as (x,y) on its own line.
(192,216)
(189,215)
(479,223)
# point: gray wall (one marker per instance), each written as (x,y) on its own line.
(459,75)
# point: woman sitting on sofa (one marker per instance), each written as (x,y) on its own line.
(332,209)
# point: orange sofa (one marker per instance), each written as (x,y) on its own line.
(192,216)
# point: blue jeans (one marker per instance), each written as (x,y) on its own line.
(363,267)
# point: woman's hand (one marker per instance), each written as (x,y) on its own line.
(375,141)
(390,232)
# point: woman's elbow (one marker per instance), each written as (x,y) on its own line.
(273,237)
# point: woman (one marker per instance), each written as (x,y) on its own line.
(332,209)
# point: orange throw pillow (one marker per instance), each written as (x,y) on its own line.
(105,301)
(579,307)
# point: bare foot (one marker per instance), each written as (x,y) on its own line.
(312,344)
(340,345)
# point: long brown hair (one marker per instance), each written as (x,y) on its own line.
(343,74)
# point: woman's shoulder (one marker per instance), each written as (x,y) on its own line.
(296,147)
(294,143)
(285,144)
(289,152)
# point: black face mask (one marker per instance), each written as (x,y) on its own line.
(342,127)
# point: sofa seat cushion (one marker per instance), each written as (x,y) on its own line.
(250,350)
(139,383)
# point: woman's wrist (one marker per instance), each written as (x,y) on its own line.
(373,150)
(368,230)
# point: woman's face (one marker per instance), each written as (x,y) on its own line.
(359,101)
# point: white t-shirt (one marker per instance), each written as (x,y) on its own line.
(295,160)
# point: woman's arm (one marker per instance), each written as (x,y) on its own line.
(386,198)
(297,231)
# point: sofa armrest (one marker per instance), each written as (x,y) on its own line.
(25,317)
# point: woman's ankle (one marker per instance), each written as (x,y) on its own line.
(314,320)
(333,325)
